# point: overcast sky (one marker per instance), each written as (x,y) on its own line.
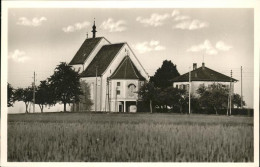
(38,39)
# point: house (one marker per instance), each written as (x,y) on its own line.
(202,76)
(112,71)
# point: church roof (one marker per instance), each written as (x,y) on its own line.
(127,70)
(204,74)
(84,51)
(102,60)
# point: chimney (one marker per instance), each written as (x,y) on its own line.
(203,65)
(194,66)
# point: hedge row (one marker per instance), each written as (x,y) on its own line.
(144,107)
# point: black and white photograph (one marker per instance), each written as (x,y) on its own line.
(124,82)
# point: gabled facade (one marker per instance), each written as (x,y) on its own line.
(202,76)
(113,73)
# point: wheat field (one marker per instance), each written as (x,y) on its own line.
(94,137)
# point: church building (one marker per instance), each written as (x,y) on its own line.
(112,72)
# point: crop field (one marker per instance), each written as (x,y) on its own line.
(94,137)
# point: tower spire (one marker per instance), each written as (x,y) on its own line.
(94,29)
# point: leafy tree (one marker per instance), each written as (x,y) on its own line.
(213,97)
(25,95)
(236,100)
(44,95)
(65,83)
(10,95)
(173,97)
(149,93)
(85,101)
(164,74)
(85,98)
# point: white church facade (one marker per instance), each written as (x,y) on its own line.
(112,72)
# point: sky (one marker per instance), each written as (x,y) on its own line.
(40,38)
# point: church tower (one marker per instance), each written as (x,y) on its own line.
(94,30)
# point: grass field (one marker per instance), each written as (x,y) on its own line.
(129,137)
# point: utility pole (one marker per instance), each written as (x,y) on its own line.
(241,89)
(33,91)
(230,94)
(116,101)
(189,88)
(96,91)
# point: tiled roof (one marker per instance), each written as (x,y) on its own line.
(84,51)
(102,60)
(204,74)
(127,70)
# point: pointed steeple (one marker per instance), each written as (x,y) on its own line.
(94,29)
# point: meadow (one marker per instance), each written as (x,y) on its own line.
(94,137)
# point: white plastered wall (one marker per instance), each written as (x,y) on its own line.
(93,87)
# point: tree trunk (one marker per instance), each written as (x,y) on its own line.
(64,107)
(26,108)
(151,106)
(41,107)
(181,108)
(216,110)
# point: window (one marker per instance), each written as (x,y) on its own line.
(117,92)
(118,84)
(141,83)
(177,86)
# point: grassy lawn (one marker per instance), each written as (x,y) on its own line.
(129,137)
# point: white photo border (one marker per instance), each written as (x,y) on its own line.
(126,4)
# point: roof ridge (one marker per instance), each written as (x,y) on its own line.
(106,39)
(113,44)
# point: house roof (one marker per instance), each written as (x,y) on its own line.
(127,70)
(102,60)
(84,51)
(204,74)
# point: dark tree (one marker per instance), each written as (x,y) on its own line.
(65,83)
(149,93)
(10,95)
(236,100)
(44,95)
(164,74)
(25,95)
(214,96)
(173,97)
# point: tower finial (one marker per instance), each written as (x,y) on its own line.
(94,29)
